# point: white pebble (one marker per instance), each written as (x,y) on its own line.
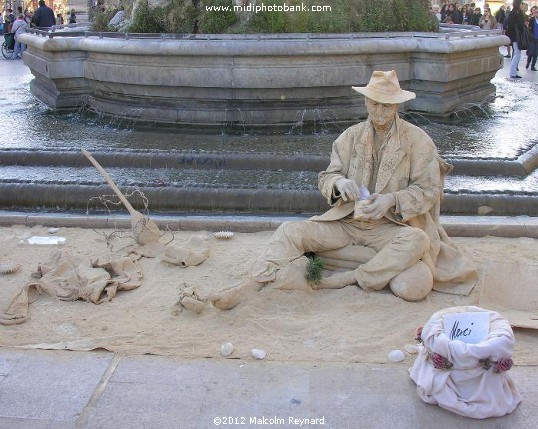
(396,356)
(226,349)
(411,349)
(53,230)
(258,354)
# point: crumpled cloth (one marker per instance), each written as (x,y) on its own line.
(70,277)
(467,389)
(192,253)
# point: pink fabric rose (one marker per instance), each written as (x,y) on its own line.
(440,362)
(502,365)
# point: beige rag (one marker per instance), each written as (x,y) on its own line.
(193,252)
(70,277)
(468,388)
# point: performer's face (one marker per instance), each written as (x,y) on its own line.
(381,114)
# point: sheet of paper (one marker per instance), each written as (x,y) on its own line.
(364,192)
(471,327)
(46,240)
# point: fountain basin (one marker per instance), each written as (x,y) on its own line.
(256,81)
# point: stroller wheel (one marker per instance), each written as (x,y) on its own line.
(8,45)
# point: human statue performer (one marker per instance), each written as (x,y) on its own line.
(396,164)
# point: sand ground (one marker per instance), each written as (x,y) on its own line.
(346,325)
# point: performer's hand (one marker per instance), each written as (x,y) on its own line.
(349,190)
(381,203)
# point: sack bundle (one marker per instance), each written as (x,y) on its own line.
(467,379)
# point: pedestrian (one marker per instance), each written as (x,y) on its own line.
(72,17)
(487,21)
(444,10)
(436,13)
(1,24)
(10,16)
(10,19)
(514,29)
(44,16)
(450,16)
(532,52)
(457,16)
(28,17)
(500,16)
(476,17)
(19,27)
(470,12)
(465,15)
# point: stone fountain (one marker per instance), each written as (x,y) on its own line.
(266,81)
(222,84)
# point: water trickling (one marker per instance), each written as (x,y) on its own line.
(484,141)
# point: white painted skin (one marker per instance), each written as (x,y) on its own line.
(381,115)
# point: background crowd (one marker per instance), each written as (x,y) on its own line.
(18,23)
(519,23)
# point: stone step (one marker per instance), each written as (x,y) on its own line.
(163,159)
(252,191)
(201,159)
(186,176)
(162,177)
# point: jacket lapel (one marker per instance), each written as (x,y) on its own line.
(391,158)
(362,156)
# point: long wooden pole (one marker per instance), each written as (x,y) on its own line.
(111,183)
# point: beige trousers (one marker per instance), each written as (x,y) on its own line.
(398,247)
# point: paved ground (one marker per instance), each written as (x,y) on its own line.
(60,390)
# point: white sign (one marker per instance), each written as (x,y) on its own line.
(470,328)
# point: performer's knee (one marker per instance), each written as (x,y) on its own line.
(419,239)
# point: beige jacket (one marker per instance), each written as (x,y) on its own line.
(412,170)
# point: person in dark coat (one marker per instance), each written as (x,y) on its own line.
(514,26)
(444,10)
(532,53)
(73,17)
(44,16)
(476,17)
(451,14)
(10,19)
(500,16)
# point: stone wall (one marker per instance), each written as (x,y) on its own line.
(257,80)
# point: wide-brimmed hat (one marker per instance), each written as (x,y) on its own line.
(385,88)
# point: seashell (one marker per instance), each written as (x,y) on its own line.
(258,354)
(9,267)
(396,356)
(226,349)
(411,349)
(223,235)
